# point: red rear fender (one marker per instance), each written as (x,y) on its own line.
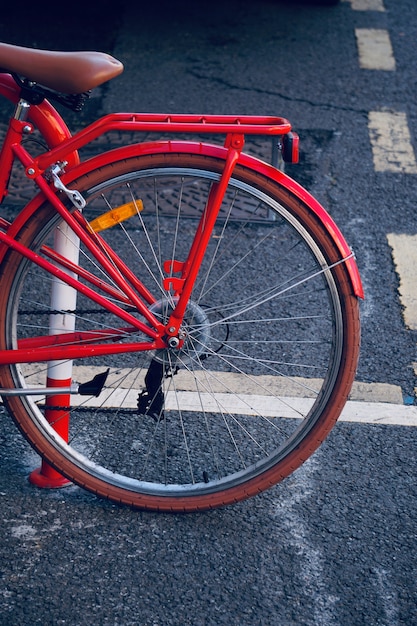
(184,147)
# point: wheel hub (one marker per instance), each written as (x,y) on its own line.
(193,337)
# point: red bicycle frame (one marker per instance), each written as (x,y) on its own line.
(129,289)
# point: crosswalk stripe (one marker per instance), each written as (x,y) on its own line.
(391,142)
(404,252)
(367,5)
(375,50)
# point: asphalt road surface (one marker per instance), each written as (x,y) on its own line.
(334,544)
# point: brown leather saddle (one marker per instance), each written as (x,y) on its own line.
(66,72)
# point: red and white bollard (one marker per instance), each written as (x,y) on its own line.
(57,412)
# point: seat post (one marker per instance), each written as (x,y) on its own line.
(22,110)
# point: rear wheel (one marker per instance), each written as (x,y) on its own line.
(269,340)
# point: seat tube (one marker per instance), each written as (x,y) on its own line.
(17,128)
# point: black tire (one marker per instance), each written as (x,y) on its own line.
(270,354)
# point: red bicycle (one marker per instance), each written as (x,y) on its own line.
(179,323)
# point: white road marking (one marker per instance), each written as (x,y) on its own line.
(234,383)
(392,152)
(391,142)
(386,587)
(375,50)
(367,5)
(369,403)
(381,413)
(312,567)
(404,253)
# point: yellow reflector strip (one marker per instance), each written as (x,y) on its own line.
(117,215)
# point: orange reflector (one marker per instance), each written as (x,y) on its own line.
(117,215)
